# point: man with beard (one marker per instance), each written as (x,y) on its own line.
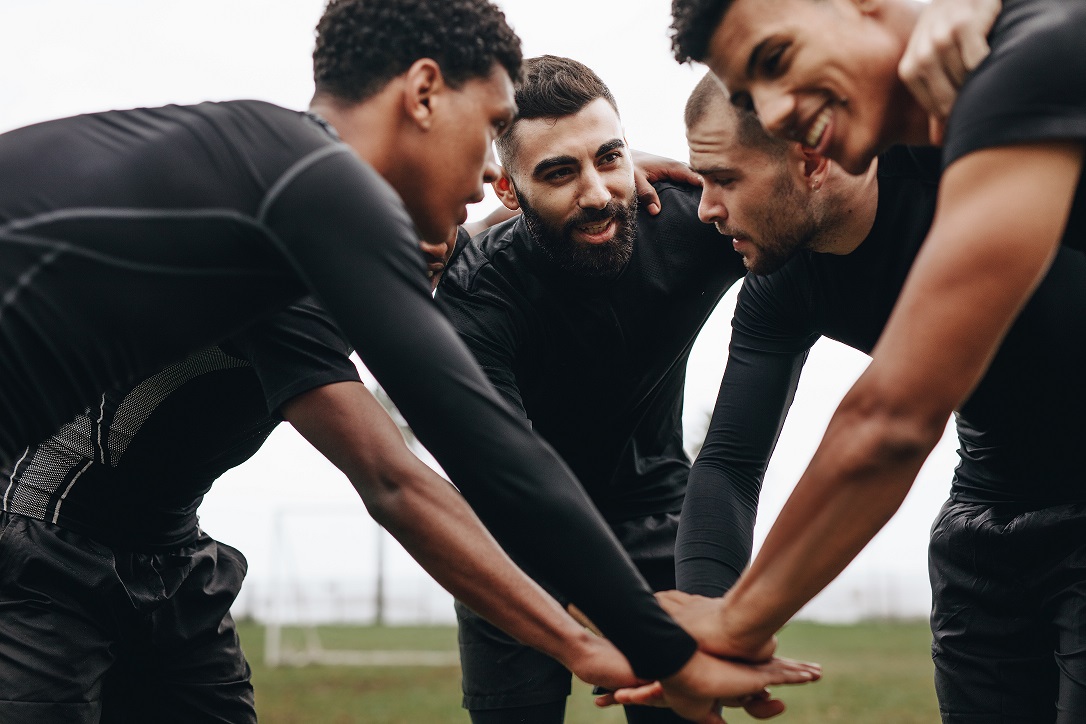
(582,312)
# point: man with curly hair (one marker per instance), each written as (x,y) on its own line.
(130,239)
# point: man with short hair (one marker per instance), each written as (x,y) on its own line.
(829,254)
(582,312)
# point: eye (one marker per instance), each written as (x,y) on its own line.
(743,101)
(558,174)
(771,62)
(500,126)
(609,158)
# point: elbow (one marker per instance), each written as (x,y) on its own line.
(384,488)
(884,429)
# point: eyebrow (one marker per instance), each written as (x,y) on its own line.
(548,163)
(712,171)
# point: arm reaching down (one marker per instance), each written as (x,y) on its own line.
(981,262)
(436,526)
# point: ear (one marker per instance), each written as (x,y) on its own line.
(867,7)
(815,168)
(423,81)
(503,187)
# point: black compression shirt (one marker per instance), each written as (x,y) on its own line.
(132,469)
(130,239)
(598,367)
(1017,432)
(1032,87)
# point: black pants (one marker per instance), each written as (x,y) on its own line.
(508,682)
(90,633)
(1009,613)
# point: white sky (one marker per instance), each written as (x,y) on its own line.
(62,57)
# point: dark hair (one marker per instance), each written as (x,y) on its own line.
(709,96)
(693,23)
(363,44)
(552,87)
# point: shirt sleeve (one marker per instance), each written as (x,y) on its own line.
(1032,87)
(294,351)
(348,235)
(716,529)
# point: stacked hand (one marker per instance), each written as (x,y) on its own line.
(707,683)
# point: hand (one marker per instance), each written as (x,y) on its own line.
(705,684)
(704,619)
(595,660)
(649,168)
(949,40)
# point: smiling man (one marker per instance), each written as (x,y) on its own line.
(582,312)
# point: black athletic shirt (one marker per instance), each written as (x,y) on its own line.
(1032,87)
(130,239)
(598,366)
(132,469)
(1019,433)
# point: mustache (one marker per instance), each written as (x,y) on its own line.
(591,216)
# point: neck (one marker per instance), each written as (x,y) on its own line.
(367,127)
(852,202)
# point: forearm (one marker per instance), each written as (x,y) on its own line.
(858,478)
(436,526)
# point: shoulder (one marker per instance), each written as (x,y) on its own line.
(1033,84)
(484,258)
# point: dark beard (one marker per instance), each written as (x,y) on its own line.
(599,261)
(787,230)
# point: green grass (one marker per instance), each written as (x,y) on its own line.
(873,672)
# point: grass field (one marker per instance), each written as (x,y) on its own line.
(875,673)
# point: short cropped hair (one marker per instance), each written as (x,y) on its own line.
(693,23)
(709,96)
(552,87)
(364,44)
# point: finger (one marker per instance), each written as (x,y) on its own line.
(605,700)
(764,708)
(936,129)
(974,49)
(646,194)
(647,695)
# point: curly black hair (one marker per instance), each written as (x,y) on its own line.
(693,23)
(363,44)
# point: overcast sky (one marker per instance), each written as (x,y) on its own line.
(62,57)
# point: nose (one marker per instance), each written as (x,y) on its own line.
(711,208)
(776,110)
(594,192)
(491,170)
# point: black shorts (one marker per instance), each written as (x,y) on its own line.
(1009,613)
(92,633)
(500,673)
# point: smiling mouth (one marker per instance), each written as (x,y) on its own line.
(597,232)
(814,133)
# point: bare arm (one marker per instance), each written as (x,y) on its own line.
(994,236)
(437,527)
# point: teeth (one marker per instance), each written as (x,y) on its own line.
(597,229)
(817,128)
